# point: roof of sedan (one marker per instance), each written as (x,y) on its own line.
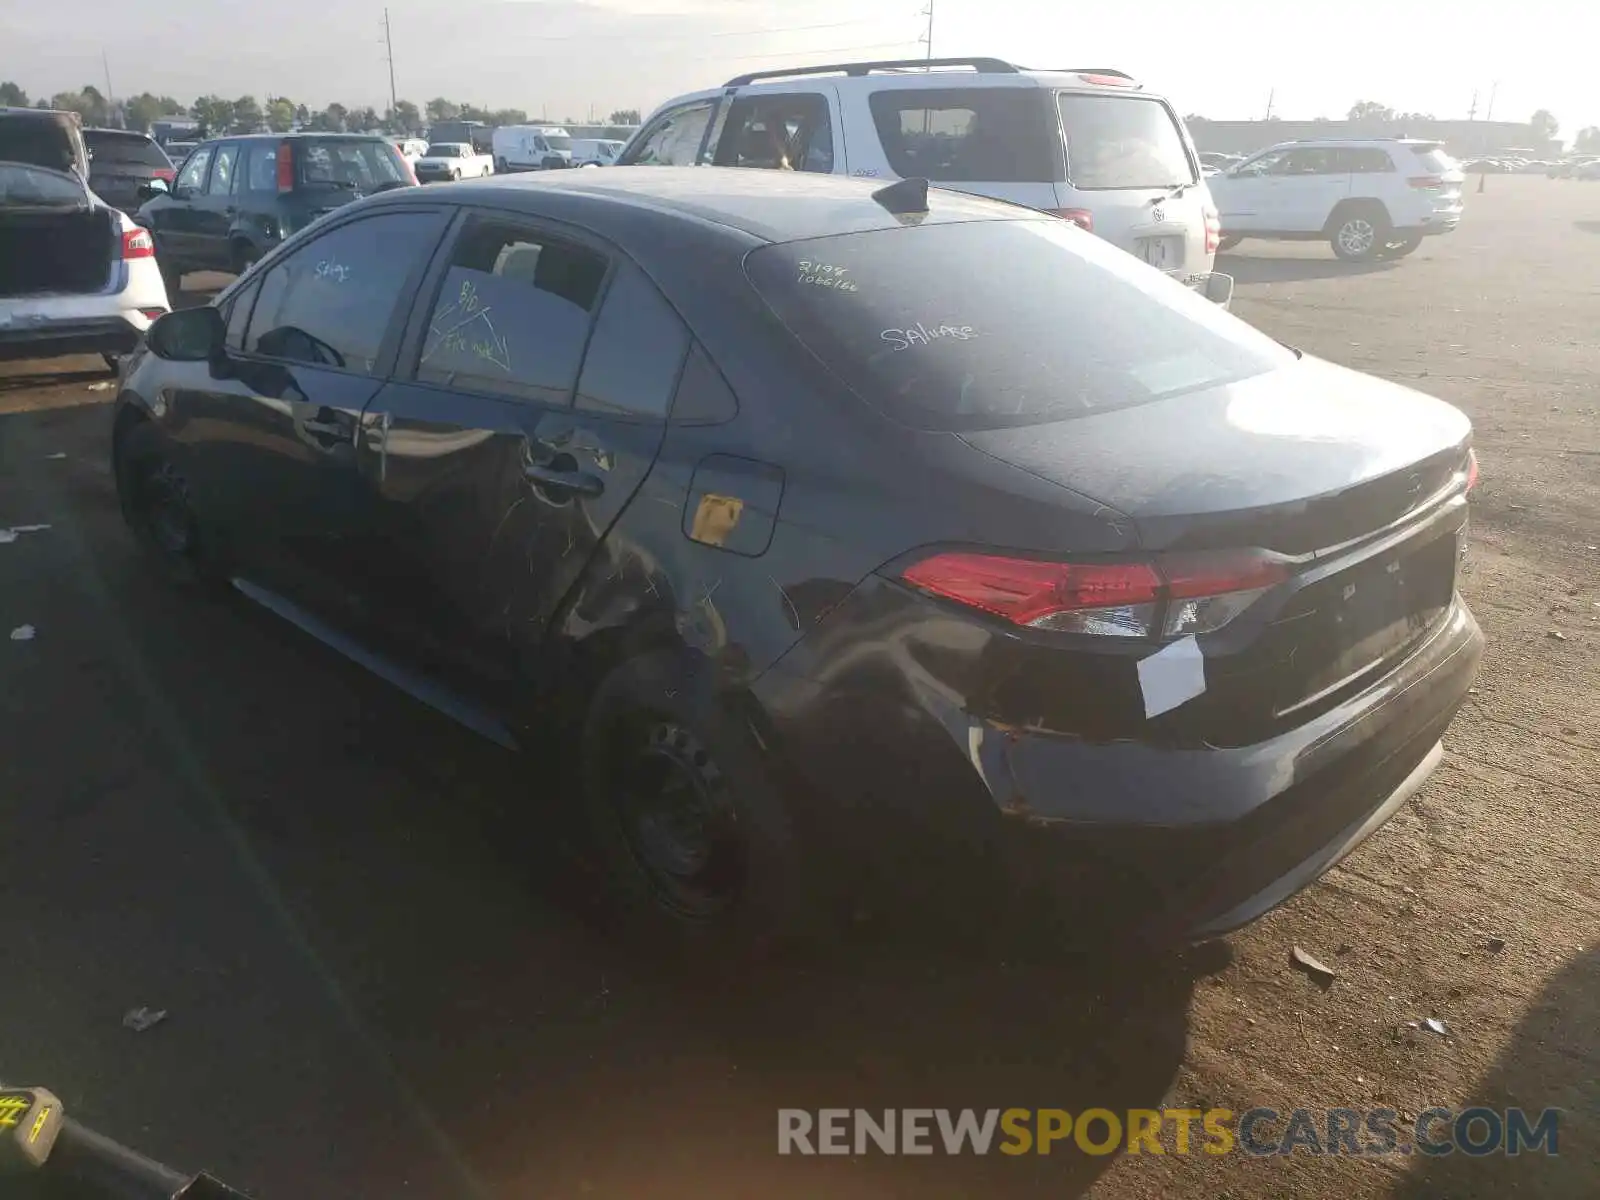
(775,206)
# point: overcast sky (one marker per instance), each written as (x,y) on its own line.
(1216,57)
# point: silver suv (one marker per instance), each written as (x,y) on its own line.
(1090,145)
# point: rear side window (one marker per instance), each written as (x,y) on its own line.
(260,170)
(1122,142)
(512,314)
(1433,158)
(969,135)
(330,302)
(1364,160)
(347,164)
(673,140)
(133,151)
(636,353)
(985,324)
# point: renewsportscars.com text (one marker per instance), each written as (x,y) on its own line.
(1258,1131)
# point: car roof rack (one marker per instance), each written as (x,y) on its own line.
(989,66)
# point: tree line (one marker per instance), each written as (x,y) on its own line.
(277,114)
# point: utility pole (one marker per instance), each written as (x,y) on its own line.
(1271,96)
(105,62)
(1472,113)
(928,33)
(388,41)
(1489,116)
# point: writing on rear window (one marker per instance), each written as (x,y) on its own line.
(925,335)
(824,275)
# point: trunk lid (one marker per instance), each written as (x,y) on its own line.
(1296,460)
(54,238)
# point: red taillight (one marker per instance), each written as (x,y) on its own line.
(1213,230)
(164,173)
(1426,181)
(285,159)
(1200,592)
(1081,217)
(1472,469)
(405,165)
(1121,81)
(137,243)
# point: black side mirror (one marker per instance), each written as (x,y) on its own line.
(188,335)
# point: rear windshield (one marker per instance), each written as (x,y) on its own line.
(349,163)
(1432,156)
(39,140)
(140,151)
(989,324)
(1122,142)
(443,150)
(969,135)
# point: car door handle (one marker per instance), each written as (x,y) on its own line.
(568,478)
(325,428)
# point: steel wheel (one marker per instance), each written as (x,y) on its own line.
(672,810)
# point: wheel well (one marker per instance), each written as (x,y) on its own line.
(1345,207)
(129,416)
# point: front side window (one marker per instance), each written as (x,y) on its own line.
(512,314)
(969,135)
(783,133)
(1122,142)
(986,324)
(674,139)
(193,174)
(222,169)
(331,302)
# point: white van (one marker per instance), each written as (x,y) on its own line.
(595,152)
(1087,144)
(531,148)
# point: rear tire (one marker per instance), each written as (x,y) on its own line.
(244,256)
(686,815)
(1403,247)
(113,363)
(455,175)
(156,503)
(1359,232)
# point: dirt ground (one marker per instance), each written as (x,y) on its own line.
(379,976)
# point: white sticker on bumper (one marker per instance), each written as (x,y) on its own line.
(1172,676)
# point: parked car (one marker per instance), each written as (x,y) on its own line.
(178,151)
(446,161)
(1091,146)
(1587,170)
(478,134)
(595,152)
(76,275)
(121,162)
(1214,160)
(236,198)
(1369,198)
(411,149)
(532,148)
(786,514)
(44,138)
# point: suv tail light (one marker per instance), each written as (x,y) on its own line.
(1081,217)
(1472,469)
(1169,597)
(137,243)
(1426,181)
(285,160)
(1213,229)
(165,173)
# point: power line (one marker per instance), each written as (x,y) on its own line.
(808,52)
(694,37)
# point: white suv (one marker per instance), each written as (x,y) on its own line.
(1370,198)
(1088,145)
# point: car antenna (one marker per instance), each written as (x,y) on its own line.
(904,197)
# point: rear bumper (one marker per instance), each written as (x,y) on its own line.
(1078,838)
(59,337)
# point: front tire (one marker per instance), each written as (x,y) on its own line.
(455,176)
(244,257)
(685,813)
(1359,233)
(172,279)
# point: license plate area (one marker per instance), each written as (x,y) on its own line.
(1165,253)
